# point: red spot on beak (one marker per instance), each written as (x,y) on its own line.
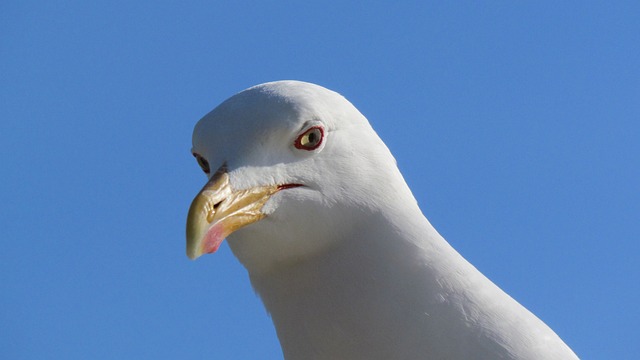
(213,239)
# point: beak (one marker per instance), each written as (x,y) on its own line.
(218,210)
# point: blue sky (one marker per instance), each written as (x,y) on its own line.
(516,125)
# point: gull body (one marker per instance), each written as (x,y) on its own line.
(337,248)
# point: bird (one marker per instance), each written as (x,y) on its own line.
(312,203)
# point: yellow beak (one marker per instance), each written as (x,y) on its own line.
(218,210)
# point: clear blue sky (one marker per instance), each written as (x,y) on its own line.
(516,125)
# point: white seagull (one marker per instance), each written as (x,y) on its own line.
(315,208)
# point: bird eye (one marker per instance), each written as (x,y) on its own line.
(310,139)
(204,164)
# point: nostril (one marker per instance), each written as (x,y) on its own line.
(212,211)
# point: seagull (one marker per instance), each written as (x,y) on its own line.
(312,203)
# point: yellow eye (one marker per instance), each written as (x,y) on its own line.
(204,164)
(310,139)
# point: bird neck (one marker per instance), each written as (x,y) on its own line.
(357,294)
(393,288)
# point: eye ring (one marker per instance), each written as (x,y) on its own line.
(204,164)
(311,139)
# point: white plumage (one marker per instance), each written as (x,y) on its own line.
(340,253)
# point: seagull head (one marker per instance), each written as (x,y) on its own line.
(293,169)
